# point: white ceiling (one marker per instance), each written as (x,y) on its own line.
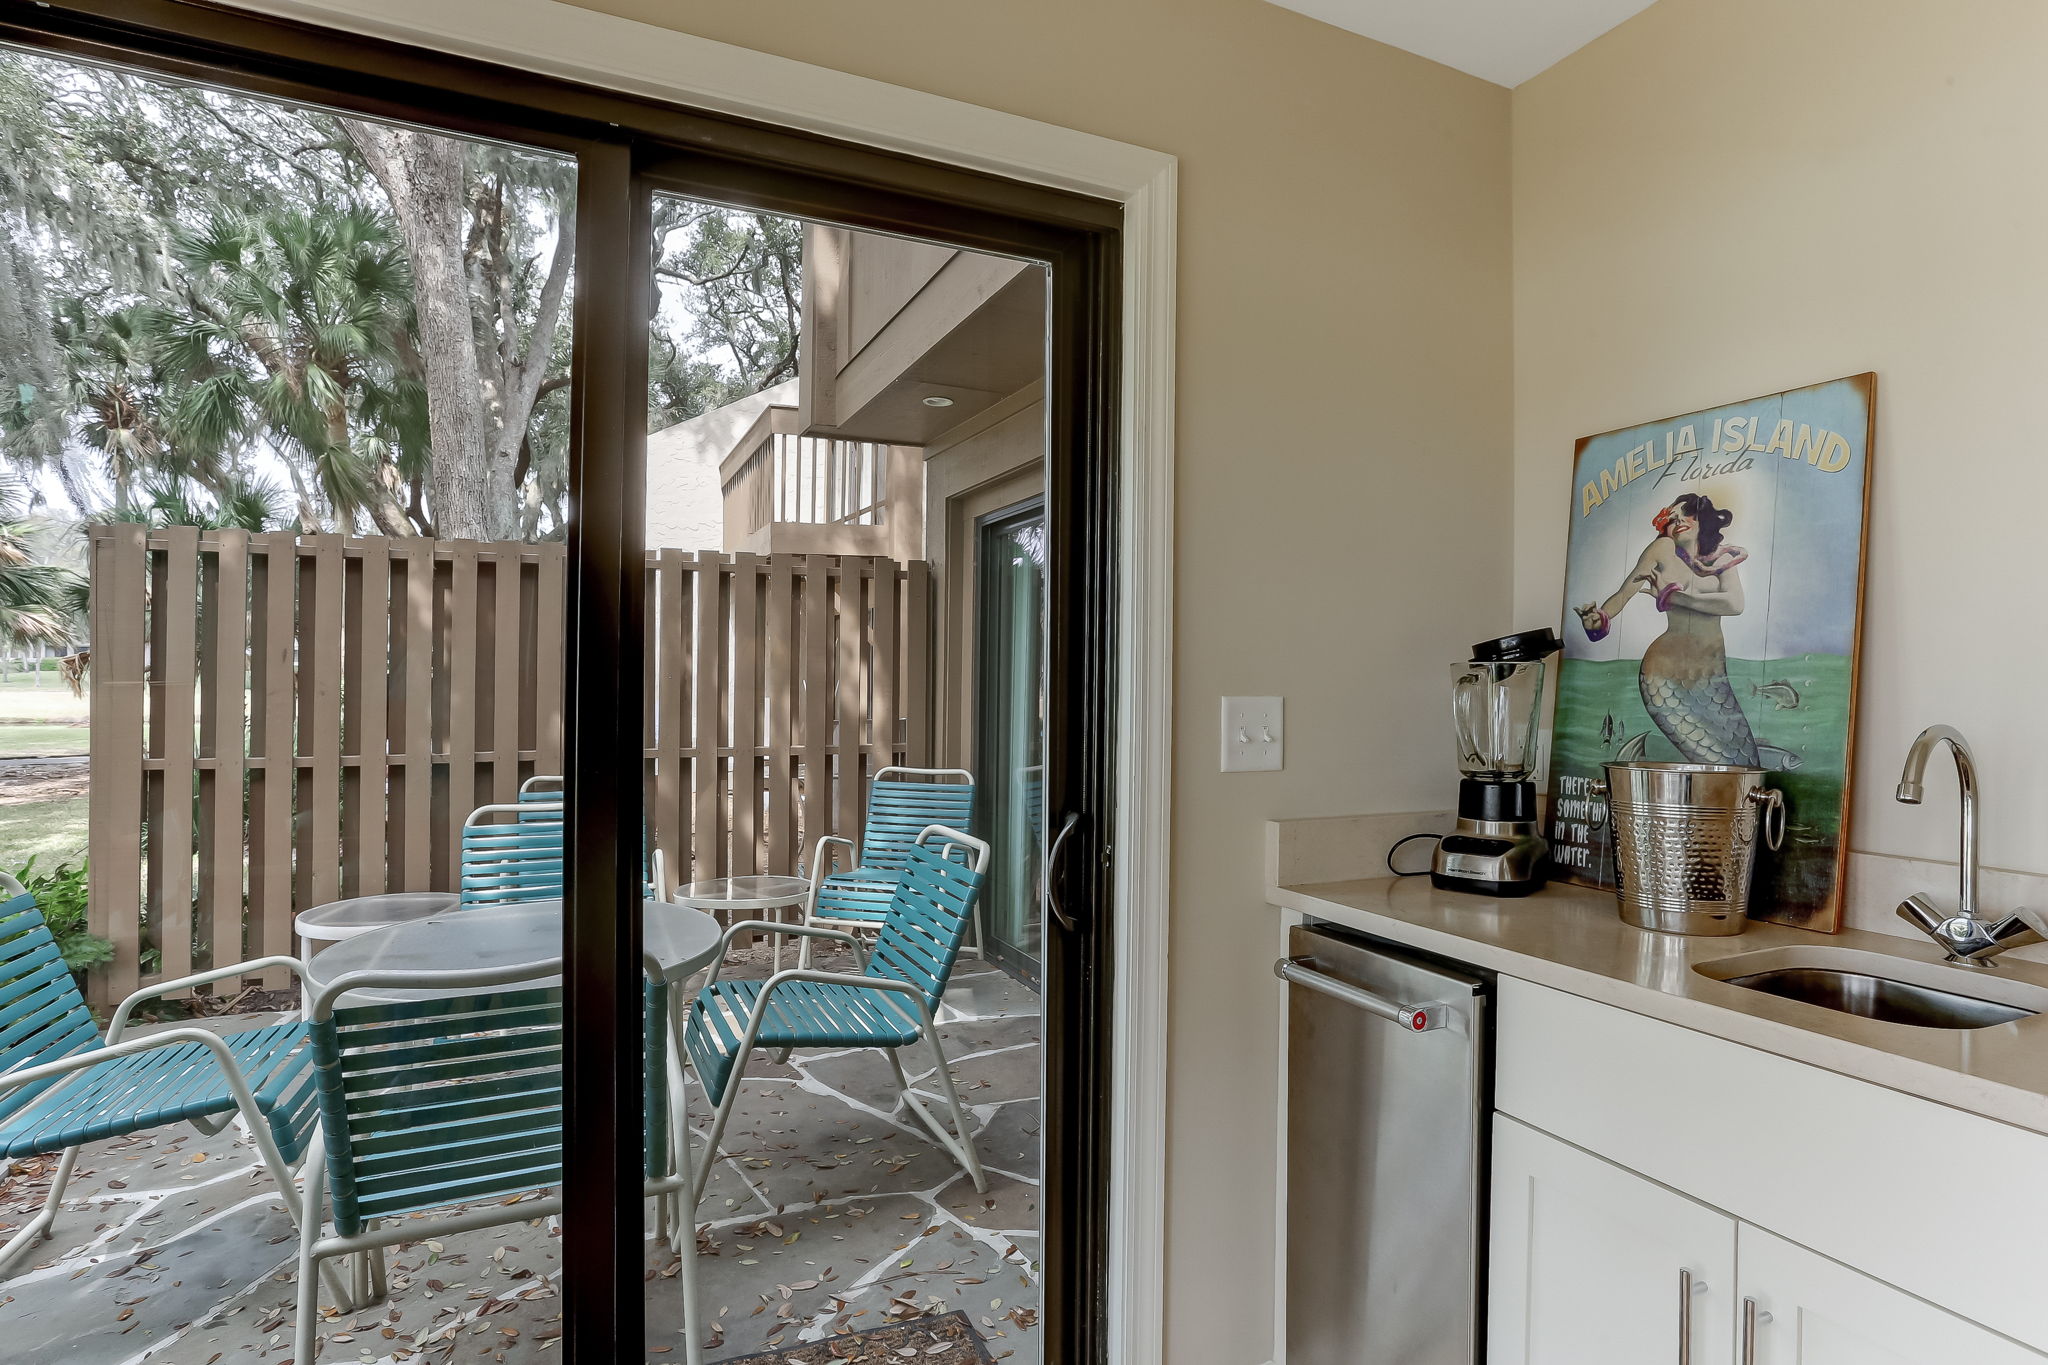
(1503,41)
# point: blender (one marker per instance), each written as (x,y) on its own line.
(1496,711)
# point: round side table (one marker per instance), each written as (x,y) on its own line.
(756,894)
(339,920)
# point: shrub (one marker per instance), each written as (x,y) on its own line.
(60,895)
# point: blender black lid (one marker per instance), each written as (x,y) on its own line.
(1521,647)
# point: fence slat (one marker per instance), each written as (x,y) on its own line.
(745,694)
(551,626)
(224,678)
(815,811)
(320,673)
(707,733)
(412,668)
(650,727)
(847,816)
(366,693)
(779,689)
(503,675)
(917,664)
(114,826)
(366,668)
(664,646)
(173,695)
(882,670)
(458,628)
(273,588)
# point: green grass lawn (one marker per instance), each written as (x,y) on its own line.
(52,831)
(22,699)
(25,741)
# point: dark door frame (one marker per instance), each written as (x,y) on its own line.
(626,147)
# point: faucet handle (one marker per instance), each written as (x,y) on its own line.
(1919,912)
(2021,929)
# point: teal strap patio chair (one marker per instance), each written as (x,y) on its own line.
(62,1085)
(512,852)
(456,1100)
(902,803)
(544,787)
(890,1003)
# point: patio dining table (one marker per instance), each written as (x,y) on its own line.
(679,939)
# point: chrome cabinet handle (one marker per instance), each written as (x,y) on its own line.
(1053,868)
(1415,1018)
(1751,1317)
(1687,1287)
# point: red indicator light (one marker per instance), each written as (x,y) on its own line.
(1419,1020)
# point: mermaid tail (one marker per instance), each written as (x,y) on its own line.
(1685,687)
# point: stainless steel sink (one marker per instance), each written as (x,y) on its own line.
(1875,997)
(1892,990)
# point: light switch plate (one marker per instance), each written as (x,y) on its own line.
(1252,738)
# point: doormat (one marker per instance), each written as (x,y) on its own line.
(944,1340)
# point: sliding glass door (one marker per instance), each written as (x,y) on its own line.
(1010,727)
(652,703)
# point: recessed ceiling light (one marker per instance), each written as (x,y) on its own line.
(938,401)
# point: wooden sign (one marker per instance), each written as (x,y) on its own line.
(1713,602)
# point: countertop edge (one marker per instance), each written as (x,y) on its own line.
(1908,1075)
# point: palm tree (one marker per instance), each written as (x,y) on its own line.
(296,325)
(241,502)
(39,603)
(116,391)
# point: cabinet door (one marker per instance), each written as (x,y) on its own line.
(1590,1263)
(1812,1311)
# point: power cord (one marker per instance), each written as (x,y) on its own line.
(1405,839)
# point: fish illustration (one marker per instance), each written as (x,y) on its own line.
(1784,696)
(1607,729)
(1773,759)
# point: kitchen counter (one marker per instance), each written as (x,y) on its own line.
(1572,939)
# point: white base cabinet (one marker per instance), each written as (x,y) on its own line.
(1811,1311)
(1592,1264)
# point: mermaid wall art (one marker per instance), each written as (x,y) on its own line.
(1713,590)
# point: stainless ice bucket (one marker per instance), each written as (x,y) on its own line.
(1685,842)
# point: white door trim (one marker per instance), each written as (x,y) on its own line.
(621,54)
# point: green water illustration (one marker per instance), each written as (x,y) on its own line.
(1799,705)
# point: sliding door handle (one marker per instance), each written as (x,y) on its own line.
(1055,867)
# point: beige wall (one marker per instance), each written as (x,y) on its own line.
(1724,198)
(1343,372)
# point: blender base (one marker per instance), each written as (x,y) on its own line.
(1472,886)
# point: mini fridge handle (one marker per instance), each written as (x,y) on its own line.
(1422,1018)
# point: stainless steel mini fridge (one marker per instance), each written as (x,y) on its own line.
(1387,1092)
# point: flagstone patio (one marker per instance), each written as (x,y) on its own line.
(829,1211)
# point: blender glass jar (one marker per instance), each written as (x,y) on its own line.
(1494,713)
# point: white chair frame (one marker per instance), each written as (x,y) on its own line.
(115,1046)
(366,1282)
(962,1145)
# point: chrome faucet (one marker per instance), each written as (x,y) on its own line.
(1969,939)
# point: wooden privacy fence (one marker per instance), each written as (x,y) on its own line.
(279,721)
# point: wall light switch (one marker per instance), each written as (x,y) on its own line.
(1251,734)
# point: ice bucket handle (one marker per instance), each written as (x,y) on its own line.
(1773,802)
